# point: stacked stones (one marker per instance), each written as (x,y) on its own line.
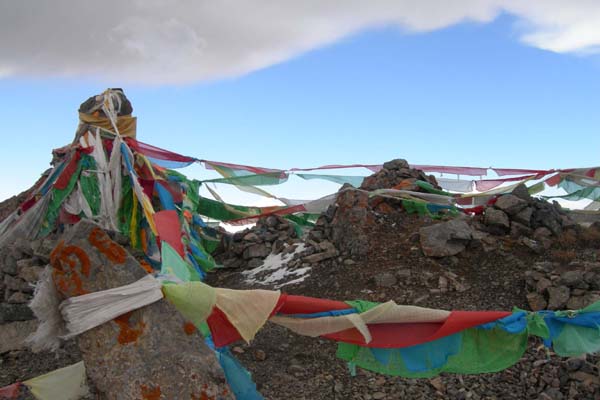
(347,222)
(247,249)
(20,266)
(394,172)
(556,286)
(519,214)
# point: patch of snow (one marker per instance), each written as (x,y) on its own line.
(274,270)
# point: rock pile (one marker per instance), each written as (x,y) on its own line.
(557,286)
(533,222)
(247,249)
(397,174)
(21,263)
(347,222)
(519,214)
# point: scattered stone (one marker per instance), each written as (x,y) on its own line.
(318,257)
(438,384)
(260,355)
(385,279)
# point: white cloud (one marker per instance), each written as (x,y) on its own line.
(169,41)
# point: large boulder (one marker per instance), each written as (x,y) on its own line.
(510,204)
(446,238)
(147,353)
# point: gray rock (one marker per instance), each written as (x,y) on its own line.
(271,221)
(233,263)
(398,163)
(524,216)
(318,257)
(497,220)
(542,233)
(385,279)
(510,204)
(17,284)
(14,312)
(590,298)
(517,230)
(536,301)
(30,274)
(522,192)
(558,297)
(44,249)
(143,351)
(547,216)
(18,298)
(542,285)
(552,394)
(24,246)
(576,302)
(13,334)
(9,265)
(255,263)
(446,238)
(327,246)
(572,279)
(26,263)
(256,250)
(251,237)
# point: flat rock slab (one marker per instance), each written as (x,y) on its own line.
(151,353)
(446,238)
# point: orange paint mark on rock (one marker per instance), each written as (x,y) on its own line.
(150,393)
(100,240)
(68,262)
(146,267)
(204,396)
(189,328)
(127,333)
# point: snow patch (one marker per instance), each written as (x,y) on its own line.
(274,270)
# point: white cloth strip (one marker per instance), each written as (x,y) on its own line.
(85,312)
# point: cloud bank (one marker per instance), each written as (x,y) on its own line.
(185,41)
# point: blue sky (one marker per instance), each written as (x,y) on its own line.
(468,94)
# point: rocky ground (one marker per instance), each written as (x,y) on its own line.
(516,252)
